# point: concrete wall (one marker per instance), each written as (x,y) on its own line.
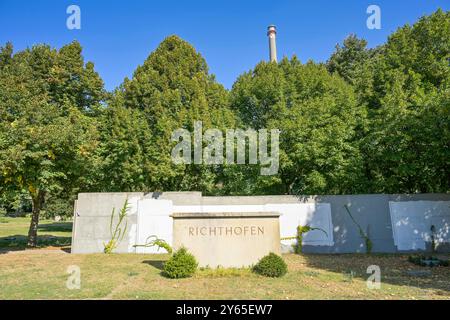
(150,215)
(413,220)
(92,214)
(226,239)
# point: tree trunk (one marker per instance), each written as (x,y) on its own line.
(38,200)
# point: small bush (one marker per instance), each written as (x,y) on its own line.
(181,265)
(271,265)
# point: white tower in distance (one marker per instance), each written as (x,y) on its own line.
(272,34)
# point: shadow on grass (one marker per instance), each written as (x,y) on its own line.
(158,264)
(19,242)
(56,227)
(395,269)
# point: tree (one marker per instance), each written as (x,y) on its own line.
(124,150)
(173,89)
(317,115)
(6,54)
(47,136)
(348,58)
(406,148)
(355,63)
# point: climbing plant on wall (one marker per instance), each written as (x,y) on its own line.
(301,230)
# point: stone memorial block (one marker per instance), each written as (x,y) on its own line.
(227,239)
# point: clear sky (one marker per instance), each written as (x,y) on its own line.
(118,35)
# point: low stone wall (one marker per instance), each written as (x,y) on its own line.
(394,223)
(227,239)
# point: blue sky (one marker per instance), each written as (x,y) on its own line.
(118,35)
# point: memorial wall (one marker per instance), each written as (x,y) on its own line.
(394,223)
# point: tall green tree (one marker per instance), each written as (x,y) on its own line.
(173,89)
(355,63)
(124,153)
(348,58)
(6,53)
(407,147)
(317,115)
(47,133)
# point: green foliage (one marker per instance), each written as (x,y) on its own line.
(124,151)
(368,121)
(16,203)
(6,53)
(301,230)
(181,264)
(271,265)
(117,231)
(349,58)
(362,233)
(317,115)
(171,90)
(405,141)
(60,205)
(47,129)
(154,241)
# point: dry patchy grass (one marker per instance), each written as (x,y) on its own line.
(42,275)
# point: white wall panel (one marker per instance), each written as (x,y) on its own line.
(412,221)
(314,215)
(154,219)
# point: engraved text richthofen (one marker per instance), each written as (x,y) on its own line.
(227,231)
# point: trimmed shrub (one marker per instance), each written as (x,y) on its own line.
(271,265)
(181,265)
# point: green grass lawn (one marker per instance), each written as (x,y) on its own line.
(42,274)
(13,233)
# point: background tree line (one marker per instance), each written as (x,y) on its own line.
(366,121)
